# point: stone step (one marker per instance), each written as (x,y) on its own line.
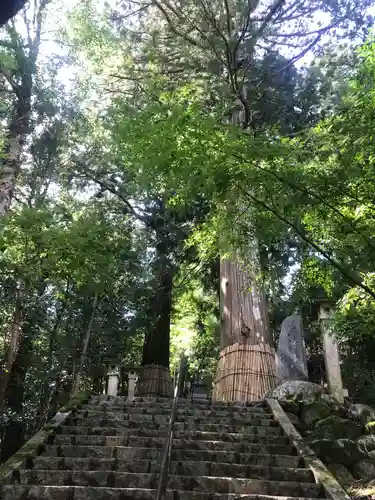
(249,435)
(186,410)
(91,493)
(123,426)
(156,401)
(149,454)
(97,418)
(277,445)
(181,414)
(127,438)
(191,468)
(185,448)
(150,481)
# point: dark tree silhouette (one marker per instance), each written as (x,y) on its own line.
(9,8)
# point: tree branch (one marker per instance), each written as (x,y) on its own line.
(172,26)
(273,10)
(353,279)
(307,192)
(112,188)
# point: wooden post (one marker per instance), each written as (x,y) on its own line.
(331,352)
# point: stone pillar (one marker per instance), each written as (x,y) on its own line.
(291,354)
(113,378)
(331,353)
(132,380)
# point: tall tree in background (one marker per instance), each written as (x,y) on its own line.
(18,73)
(225,43)
(136,181)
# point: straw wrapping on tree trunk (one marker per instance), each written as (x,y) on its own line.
(245,373)
(154,380)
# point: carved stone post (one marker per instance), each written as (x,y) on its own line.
(331,352)
(132,380)
(113,379)
(291,353)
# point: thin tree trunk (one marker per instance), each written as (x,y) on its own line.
(15,335)
(14,394)
(45,398)
(16,430)
(86,341)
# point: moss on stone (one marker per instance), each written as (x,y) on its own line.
(77,399)
(313,412)
(341,473)
(370,427)
(334,427)
(363,489)
(32,447)
(10,465)
(290,406)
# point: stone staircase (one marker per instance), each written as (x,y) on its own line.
(109,450)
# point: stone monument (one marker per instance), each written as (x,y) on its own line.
(113,379)
(132,381)
(291,356)
(331,352)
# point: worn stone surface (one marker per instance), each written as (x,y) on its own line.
(291,357)
(334,427)
(33,446)
(294,419)
(313,412)
(135,453)
(289,406)
(188,425)
(297,390)
(366,444)
(112,450)
(341,473)
(321,474)
(158,440)
(329,399)
(249,433)
(364,469)
(342,451)
(220,484)
(277,469)
(331,352)
(126,411)
(363,413)
(90,493)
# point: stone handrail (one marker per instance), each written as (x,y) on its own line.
(321,473)
(32,447)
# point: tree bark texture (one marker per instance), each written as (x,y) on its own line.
(154,378)
(85,346)
(16,137)
(28,316)
(26,57)
(15,432)
(15,336)
(246,368)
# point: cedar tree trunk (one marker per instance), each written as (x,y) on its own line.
(246,368)
(155,379)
